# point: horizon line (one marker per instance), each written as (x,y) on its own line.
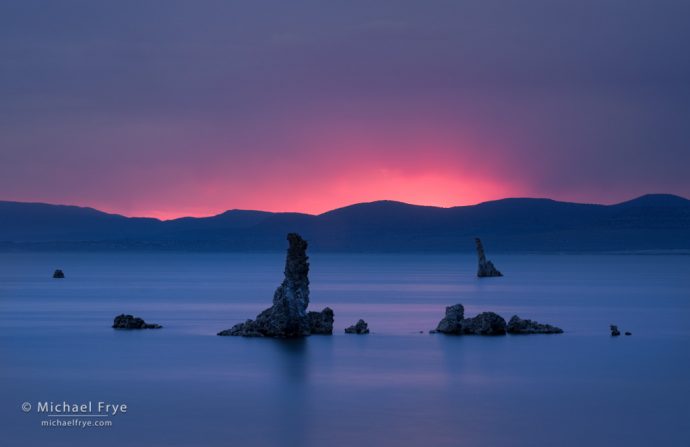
(337,208)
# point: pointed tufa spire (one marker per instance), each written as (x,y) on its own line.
(288,317)
(485,268)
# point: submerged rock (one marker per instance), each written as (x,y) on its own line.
(58,274)
(288,316)
(361,327)
(485,268)
(517,325)
(455,323)
(123,321)
(614,331)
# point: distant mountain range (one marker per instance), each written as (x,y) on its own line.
(648,223)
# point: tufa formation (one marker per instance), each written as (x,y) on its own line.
(288,316)
(123,321)
(361,327)
(488,323)
(485,268)
(517,325)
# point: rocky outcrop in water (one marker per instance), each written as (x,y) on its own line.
(129,322)
(517,325)
(455,323)
(321,323)
(485,268)
(246,329)
(451,323)
(615,332)
(361,327)
(288,316)
(488,323)
(58,274)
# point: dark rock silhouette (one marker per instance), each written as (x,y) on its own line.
(246,329)
(517,325)
(614,331)
(58,274)
(321,323)
(455,323)
(361,327)
(485,268)
(452,322)
(123,321)
(628,333)
(486,323)
(288,316)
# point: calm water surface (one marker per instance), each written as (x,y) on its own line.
(185,386)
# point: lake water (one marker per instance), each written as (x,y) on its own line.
(185,386)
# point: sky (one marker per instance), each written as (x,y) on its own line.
(173,108)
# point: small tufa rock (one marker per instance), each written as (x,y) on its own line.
(123,321)
(486,323)
(246,329)
(58,274)
(485,268)
(321,323)
(450,324)
(628,333)
(517,325)
(361,327)
(614,331)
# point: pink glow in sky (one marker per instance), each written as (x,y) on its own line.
(178,108)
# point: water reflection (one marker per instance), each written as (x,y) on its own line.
(186,386)
(293,360)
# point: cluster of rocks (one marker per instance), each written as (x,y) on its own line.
(58,274)
(123,321)
(288,316)
(361,327)
(615,332)
(517,325)
(488,323)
